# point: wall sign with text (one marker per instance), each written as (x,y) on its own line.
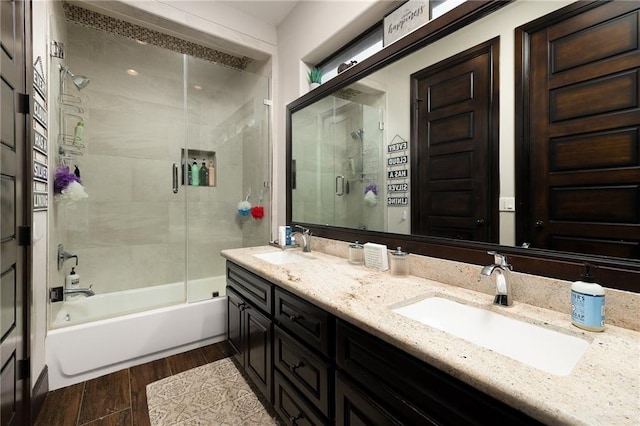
(397,172)
(405,19)
(40,145)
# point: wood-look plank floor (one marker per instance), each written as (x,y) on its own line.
(120,398)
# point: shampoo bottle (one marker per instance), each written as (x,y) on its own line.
(78,133)
(212,174)
(72,280)
(204,174)
(587,303)
(195,174)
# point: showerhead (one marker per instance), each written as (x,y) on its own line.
(80,81)
(357,134)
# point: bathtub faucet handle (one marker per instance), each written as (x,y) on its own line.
(64,255)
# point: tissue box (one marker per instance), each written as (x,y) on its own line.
(375,256)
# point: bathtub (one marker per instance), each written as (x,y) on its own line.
(86,341)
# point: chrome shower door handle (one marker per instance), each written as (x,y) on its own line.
(175,178)
(339,185)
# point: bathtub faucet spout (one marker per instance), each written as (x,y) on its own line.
(88,292)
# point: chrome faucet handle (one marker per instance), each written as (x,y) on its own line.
(500,259)
(63,256)
(305,231)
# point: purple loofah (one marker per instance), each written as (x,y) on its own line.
(371,187)
(63,178)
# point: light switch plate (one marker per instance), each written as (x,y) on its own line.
(507,204)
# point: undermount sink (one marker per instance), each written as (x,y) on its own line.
(284,257)
(536,346)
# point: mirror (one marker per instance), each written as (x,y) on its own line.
(348,141)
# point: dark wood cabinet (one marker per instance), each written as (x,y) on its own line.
(355,408)
(303,356)
(317,370)
(249,329)
(412,391)
(292,408)
(306,321)
(311,375)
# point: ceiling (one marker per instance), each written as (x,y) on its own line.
(268,11)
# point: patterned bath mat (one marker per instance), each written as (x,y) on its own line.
(213,394)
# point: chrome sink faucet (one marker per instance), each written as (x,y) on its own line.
(503,280)
(305,233)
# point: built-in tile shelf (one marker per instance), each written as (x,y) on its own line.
(202,159)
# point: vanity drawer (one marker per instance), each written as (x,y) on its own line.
(307,371)
(292,408)
(305,321)
(252,287)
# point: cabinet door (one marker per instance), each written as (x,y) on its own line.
(235,310)
(353,408)
(258,353)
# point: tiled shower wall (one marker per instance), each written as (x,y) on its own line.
(132,230)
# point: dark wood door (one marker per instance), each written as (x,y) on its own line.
(454,147)
(258,352)
(582,133)
(235,306)
(13,140)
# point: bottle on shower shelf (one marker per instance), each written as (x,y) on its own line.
(212,174)
(204,173)
(78,133)
(195,174)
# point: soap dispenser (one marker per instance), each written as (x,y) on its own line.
(587,303)
(72,280)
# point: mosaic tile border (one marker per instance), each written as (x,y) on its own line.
(347,93)
(111,25)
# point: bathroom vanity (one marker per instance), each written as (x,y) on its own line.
(320,340)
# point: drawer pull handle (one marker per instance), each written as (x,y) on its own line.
(293,317)
(297,365)
(293,419)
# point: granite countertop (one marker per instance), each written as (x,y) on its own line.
(603,388)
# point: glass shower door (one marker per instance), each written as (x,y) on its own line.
(227,137)
(129,233)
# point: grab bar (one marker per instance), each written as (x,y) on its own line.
(175,178)
(340,191)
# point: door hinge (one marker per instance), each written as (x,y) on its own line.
(267,102)
(24,236)
(24,369)
(24,103)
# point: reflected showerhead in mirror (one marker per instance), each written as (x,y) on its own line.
(80,81)
(357,134)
